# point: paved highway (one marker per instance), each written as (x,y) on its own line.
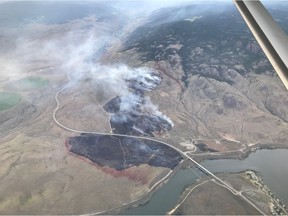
(185,155)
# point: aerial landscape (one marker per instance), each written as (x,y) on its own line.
(139,108)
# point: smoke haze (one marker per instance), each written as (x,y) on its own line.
(75,48)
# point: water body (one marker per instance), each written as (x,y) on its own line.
(270,164)
(167,196)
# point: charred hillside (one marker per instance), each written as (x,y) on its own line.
(217,82)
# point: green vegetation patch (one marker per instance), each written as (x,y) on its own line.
(8,100)
(30,83)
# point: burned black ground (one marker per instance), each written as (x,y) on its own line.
(131,124)
(129,113)
(121,153)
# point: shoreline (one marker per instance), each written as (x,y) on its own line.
(146,197)
(186,164)
(275,206)
(239,155)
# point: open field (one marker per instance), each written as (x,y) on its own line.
(219,97)
(27,84)
(42,177)
(39,173)
(210,199)
(8,100)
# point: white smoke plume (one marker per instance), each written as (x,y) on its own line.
(75,48)
(153,109)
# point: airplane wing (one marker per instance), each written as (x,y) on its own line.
(270,36)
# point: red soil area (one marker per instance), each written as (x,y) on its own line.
(133,174)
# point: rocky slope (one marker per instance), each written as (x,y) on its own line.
(217,82)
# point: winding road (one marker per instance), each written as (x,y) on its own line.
(184,154)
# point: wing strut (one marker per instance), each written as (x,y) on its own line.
(270,36)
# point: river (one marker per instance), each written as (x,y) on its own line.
(272,165)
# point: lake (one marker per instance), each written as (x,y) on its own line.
(270,164)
